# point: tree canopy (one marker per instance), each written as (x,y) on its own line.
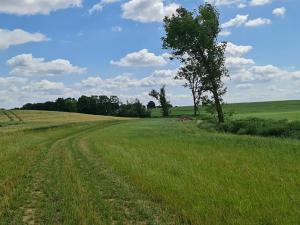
(97,105)
(192,37)
(162,98)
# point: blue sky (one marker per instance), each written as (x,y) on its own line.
(68,48)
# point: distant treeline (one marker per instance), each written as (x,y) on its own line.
(96,105)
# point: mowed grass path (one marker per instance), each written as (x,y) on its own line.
(52,177)
(145,171)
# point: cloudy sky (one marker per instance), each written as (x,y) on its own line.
(66,48)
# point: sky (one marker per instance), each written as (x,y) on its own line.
(69,48)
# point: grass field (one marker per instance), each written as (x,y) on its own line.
(38,119)
(266,110)
(61,168)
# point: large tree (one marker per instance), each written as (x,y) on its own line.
(161,97)
(193,37)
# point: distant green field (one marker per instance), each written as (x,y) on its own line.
(68,168)
(269,110)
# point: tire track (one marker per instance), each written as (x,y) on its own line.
(72,185)
(128,206)
(32,210)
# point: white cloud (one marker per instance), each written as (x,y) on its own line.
(27,65)
(225,33)
(12,81)
(141,58)
(257,82)
(267,72)
(234,56)
(226,2)
(262,83)
(242,5)
(16,91)
(241,75)
(117,29)
(45,85)
(244,86)
(234,62)
(279,11)
(161,77)
(260,2)
(99,6)
(237,50)
(31,7)
(258,22)
(157,78)
(147,11)
(264,73)
(242,20)
(129,87)
(45,90)
(17,37)
(237,21)
(239,3)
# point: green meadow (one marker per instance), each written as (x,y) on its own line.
(62,168)
(267,110)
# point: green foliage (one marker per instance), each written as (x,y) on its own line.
(192,38)
(192,73)
(96,105)
(262,127)
(151,105)
(162,98)
(133,109)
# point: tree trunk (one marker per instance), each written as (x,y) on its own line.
(195,104)
(195,110)
(218,107)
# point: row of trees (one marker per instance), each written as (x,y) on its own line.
(97,105)
(192,38)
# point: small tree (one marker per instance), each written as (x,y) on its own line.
(192,73)
(161,97)
(151,105)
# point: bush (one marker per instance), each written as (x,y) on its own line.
(134,109)
(262,127)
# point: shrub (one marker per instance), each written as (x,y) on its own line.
(262,127)
(134,109)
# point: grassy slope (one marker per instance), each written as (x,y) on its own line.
(48,176)
(38,119)
(205,177)
(3,117)
(275,110)
(151,171)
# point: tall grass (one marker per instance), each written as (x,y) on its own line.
(75,169)
(277,110)
(262,127)
(207,178)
